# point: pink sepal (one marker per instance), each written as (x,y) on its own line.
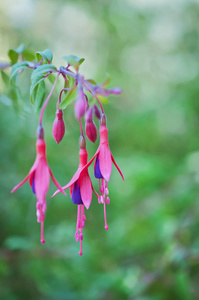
(117,166)
(42,179)
(20,184)
(85,188)
(105,162)
(56,182)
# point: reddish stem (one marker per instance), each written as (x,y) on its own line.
(100,104)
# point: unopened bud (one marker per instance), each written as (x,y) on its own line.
(82,142)
(116,91)
(89,115)
(40,132)
(97,111)
(80,107)
(91,131)
(103,120)
(58,126)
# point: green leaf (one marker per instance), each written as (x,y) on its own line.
(71,81)
(35,81)
(69,98)
(38,95)
(52,77)
(43,69)
(103,99)
(46,55)
(5,77)
(74,60)
(28,55)
(13,54)
(20,49)
(17,67)
(92,81)
(5,100)
(107,81)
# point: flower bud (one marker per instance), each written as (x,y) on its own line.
(80,106)
(58,126)
(97,111)
(40,132)
(89,115)
(103,120)
(82,142)
(91,131)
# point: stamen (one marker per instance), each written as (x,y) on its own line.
(104,184)
(42,232)
(80,229)
(106,226)
(78,224)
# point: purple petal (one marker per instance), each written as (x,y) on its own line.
(97,171)
(76,196)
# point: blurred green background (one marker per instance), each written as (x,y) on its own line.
(150,48)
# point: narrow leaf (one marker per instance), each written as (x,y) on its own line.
(74,60)
(104,100)
(38,95)
(46,55)
(35,81)
(92,81)
(5,77)
(17,67)
(43,69)
(69,98)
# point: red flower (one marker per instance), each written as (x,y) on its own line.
(80,191)
(39,179)
(103,165)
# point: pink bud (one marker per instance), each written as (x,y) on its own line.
(91,131)
(89,115)
(58,126)
(116,91)
(97,111)
(80,107)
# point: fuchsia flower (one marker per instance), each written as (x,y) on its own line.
(39,179)
(103,165)
(80,191)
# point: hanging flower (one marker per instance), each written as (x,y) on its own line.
(103,166)
(80,191)
(39,179)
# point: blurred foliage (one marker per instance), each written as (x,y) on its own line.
(151,251)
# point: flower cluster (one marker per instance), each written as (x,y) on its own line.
(81,187)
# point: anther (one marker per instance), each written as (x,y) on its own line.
(107,200)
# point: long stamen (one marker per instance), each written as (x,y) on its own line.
(78,224)
(106,226)
(81,230)
(42,232)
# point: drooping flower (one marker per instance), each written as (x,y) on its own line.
(39,179)
(80,191)
(103,166)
